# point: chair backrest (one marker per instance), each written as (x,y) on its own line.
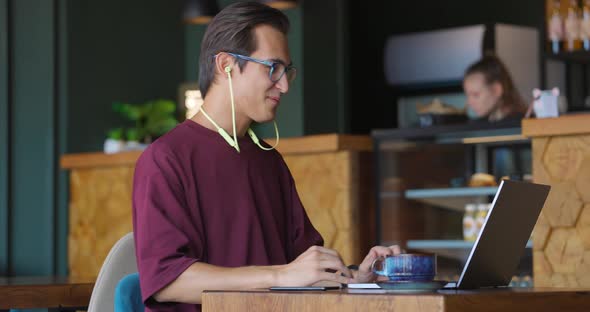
(119,263)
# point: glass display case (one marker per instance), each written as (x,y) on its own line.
(426,177)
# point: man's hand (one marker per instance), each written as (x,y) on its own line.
(310,267)
(364,274)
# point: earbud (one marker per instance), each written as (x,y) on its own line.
(227,69)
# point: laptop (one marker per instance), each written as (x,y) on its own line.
(501,242)
(494,258)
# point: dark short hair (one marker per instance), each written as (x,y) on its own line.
(231,30)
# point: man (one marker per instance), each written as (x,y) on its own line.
(212,209)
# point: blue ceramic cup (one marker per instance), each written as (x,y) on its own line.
(406,267)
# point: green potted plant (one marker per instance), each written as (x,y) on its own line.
(151,119)
(133,143)
(114,142)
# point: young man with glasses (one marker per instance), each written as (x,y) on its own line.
(213,206)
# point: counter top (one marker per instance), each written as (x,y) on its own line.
(506,300)
(296,145)
(461,130)
(563,125)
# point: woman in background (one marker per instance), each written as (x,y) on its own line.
(490,92)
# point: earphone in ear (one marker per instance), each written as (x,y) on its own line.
(227,69)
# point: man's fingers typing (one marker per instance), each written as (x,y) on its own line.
(334,277)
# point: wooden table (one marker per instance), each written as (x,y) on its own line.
(503,300)
(44,292)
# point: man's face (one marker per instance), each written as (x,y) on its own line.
(257,97)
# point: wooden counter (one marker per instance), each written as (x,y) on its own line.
(333,174)
(561,238)
(538,300)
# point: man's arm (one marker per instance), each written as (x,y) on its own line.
(309,268)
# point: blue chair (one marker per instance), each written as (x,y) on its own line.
(128,294)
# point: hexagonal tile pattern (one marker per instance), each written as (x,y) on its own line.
(563,205)
(583,180)
(583,226)
(562,158)
(564,250)
(583,271)
(324,184)
(564,280)
(540,264)
(561,239)
(96,228)
(541,232)
(539,171)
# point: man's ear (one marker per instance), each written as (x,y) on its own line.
(223,60)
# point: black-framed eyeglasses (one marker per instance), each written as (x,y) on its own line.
(277,67)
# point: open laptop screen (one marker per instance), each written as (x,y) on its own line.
(502,240)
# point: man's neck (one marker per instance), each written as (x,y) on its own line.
(219,109)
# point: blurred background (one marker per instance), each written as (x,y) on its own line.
(63,63)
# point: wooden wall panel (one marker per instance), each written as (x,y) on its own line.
(561,237)
(100,214)
(336,198)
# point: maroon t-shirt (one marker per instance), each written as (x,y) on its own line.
(195,198)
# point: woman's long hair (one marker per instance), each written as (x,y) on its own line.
(493,71)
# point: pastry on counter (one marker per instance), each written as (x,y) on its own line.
(482,179)
(439,113)
(438,107)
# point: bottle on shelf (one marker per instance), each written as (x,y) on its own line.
(555,28)
(480,217)
(585,25)
(572,40)
(469,230)
(526,281)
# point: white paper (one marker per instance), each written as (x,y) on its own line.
(364,286)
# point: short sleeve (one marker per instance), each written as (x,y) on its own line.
(161,222)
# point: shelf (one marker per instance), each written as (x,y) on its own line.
(487,140)
(470,129)
(426,88)
(582,57)
(454,249)
(450,198)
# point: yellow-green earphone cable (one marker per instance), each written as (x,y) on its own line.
(257,141)
(234,142)
(233,107)
(220,130)
(250,131)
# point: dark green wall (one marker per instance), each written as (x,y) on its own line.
(4,164)
(62,64)
(193,36)
(325,54)
(32,137)
(32,239)
(130,51)
(61,114)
